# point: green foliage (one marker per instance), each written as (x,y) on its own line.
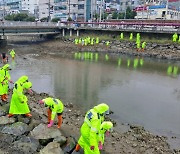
(55,19)
(129,13)
(69,19)
(20,17)
(114,15)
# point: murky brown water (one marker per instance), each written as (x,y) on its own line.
(138,92)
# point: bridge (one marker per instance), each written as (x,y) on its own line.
(36,28)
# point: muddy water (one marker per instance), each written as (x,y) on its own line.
(139,91)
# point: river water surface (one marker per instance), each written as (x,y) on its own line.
(139,91)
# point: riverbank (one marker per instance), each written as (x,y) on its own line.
(31,135)
(134,140)
(167,51)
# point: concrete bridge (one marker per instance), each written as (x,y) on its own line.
(75,28)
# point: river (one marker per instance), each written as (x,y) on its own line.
(139,91)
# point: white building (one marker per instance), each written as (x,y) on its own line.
(30,5)
(81,10)
(46,8)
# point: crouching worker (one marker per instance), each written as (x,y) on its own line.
(55,106)
(19,100)
(91,128)
(105,129)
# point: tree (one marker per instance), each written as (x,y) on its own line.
(114,15)
(129,13)
(20,17)
(55,19)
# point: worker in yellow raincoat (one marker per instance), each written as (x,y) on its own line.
(4,80)
(55,106)
(90,128)
(19,100)
(12,53)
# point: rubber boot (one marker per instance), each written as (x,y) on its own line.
(78,147)
(49,115)
(5,97)
(28,115)
(10,115)
(59,121)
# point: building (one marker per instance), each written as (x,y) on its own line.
(128,3)
(30,5)
(159,9)
(77,10)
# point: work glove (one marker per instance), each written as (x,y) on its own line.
(100,146)
(41,102)
(11,81)
(92,147)
(107,133)
(30,91)
(50,124)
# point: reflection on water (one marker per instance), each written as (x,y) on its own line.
(139,91)
(172,70)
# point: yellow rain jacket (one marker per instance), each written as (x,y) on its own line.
(55,105)
(90,128)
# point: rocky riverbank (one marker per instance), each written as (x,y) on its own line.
(31,135)
(23,135)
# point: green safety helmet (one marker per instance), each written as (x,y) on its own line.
(23,78)
(27,85)
(107,125)
(101,108)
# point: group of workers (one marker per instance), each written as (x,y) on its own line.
(175,38)
(93,129)
(86,41)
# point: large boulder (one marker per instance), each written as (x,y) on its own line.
(4,120)
(27,144)
(44,134)
(16,129)
(52,148)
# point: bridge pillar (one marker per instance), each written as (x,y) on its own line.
(63,32)
(70,33)
(3,41)
(77,33)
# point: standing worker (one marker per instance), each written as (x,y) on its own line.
(131,37)
(175,37)
(4,58)
(55,107)
(4,79)
(19,100)
(12,53)
(121,36)
(90,128)
(143,46)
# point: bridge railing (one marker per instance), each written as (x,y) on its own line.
(168,27)
(28,24)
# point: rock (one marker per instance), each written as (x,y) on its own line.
(27,144)
(52,148)
(45,134)
(2,111)
(16,129)
(71,144)
(61,140)
(5,120)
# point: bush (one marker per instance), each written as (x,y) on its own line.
(55,19)
(20,17)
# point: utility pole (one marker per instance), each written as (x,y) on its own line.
(100,11)
(49,17)
(69,9)
(167,3)
(3,9)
